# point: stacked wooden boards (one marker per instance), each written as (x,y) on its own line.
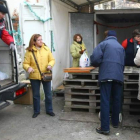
(82,91)
(130,103)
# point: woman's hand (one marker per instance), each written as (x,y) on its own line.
(30,70)
(49,67)
(82,51)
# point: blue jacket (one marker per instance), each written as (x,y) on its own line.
(109,56)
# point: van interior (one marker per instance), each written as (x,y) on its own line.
(6,60)
(6,65)
(122,21)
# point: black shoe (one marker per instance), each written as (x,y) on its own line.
(98,130)
(50,113)
(35,115)
(138,120)
(115,126)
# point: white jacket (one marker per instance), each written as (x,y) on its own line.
(137,62)
(137,58)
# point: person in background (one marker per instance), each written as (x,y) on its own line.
(4,35)
(45,61)
(106,34)
(109,56)
(137,62)
(77,49)
(131,46)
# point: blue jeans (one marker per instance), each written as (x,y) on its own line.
(106,89)
(36,95)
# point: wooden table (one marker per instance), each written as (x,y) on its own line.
(79,70)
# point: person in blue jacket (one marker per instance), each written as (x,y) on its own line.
(109,56)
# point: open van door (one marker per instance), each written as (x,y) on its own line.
(9,84)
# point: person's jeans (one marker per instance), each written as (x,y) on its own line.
(106,89)
(36,95)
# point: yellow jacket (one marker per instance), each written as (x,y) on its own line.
(44,58)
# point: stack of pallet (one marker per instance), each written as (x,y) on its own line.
(131,103)
(82,90)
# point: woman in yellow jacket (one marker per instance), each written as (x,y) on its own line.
(46,61)
(77,49)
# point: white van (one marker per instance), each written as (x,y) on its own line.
(10,88)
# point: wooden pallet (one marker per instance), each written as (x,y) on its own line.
(81,83)
(81,108)
(77,99)
(92,102)
(131,77)
(131,105)
(82,91)
(129,110)
(89,76)
(130,85)
(130,94)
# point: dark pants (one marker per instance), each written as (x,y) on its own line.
(106,89)
(36,95)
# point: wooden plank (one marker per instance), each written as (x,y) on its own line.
(131,89)
(77,93)
(81,80)
(81,87)
(82,106)
(80,83)
(130,97)
(131,110)
(131,103)
(130,82)
(82,100)
(74,91)
(79,70)
(90,109)
(82,76)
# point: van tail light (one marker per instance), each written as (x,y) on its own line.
(20,91)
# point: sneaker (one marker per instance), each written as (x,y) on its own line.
(98,130)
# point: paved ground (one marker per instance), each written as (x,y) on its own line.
(16,124)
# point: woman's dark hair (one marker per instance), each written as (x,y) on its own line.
(75,37)
(135,33)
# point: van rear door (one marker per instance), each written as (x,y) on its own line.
(8,61)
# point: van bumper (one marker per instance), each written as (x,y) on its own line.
(10,93)
(4,104)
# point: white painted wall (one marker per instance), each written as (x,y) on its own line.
(60,26)
(14,4)
(60,23)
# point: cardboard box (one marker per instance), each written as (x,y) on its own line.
(27,99)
